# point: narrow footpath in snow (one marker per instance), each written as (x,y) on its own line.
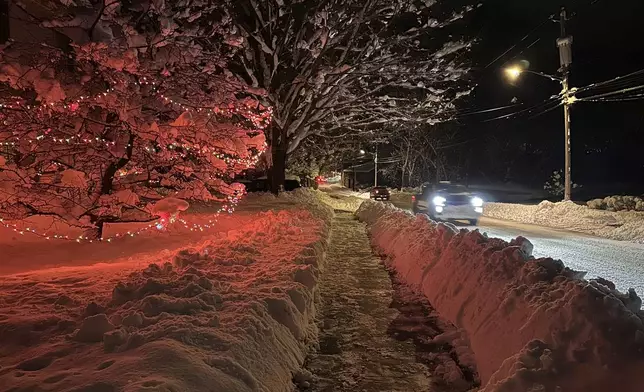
(375,336)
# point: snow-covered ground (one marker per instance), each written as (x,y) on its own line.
(233,311)
(621,262)
(621,225)
(375,334)
(532,324)
(618,261)
(23,253)
(342,192)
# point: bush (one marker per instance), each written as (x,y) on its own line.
(618,203)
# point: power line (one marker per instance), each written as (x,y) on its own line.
(539,26)
(617,81)
(629,98)
(464,114)
(625,90)
(589,5)
(546,111)
(528,110)
(521,40)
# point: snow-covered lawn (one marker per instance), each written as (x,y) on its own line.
(621,225)
(233,312)
(532,324)
(23,253)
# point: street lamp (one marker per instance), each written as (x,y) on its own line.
(375,163)
(567,99)
(513,72)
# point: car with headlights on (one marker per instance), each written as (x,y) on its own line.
(380,193)
(448,202)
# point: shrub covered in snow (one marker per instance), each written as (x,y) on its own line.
(618,203)
(533,326)
(235,313)
(555,185)
(622,226)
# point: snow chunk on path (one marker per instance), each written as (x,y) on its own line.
(530,324)
(235,313)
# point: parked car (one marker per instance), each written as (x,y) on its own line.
(446,201)
(380,193)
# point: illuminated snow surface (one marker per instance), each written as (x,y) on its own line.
(620,225)
(233,308)
(621,262)
(618,261)
(229,309)
(377,335)
(533,324)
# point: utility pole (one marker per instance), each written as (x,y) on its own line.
(375,167)
(565,59)
(355,176)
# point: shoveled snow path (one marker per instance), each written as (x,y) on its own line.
(366,344)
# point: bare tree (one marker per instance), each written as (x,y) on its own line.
(421,154)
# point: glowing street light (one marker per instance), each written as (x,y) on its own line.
(513,72)
(362,152)
(567,98)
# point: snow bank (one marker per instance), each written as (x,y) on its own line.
(530,324)
(622,225)
(234,313)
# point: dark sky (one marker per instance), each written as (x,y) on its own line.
(607,138)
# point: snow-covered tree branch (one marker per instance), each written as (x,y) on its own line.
(346,65)
(133,106)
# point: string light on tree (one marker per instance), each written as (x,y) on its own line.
(260,120)
(161,224)
(258,116)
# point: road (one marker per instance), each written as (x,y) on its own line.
(618,261)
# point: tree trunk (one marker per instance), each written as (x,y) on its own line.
(402,179)
(96,232)
(277,170)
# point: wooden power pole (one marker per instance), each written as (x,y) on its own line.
(565,59)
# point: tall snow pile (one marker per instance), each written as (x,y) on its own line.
(532,326)
(235,313)
(620,225)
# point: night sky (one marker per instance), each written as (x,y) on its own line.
(607,138)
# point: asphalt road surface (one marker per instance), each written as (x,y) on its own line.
(618,261)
